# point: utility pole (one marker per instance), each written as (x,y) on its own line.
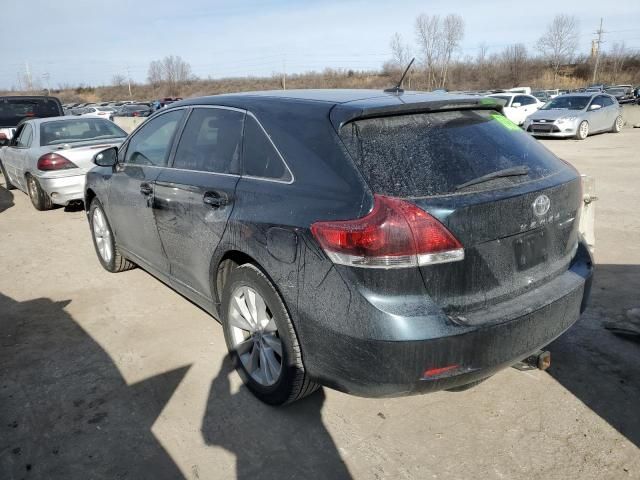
(28,76)
(45,75)
(284,73)
(129,81)
(19,82)
(599,32)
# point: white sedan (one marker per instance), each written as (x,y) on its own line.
(48,157)
(517,106)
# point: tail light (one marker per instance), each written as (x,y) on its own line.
(395,234)
(134,114)
(54,161)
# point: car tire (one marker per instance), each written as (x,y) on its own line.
(617,125)
(104,242)
(257,341)
(39,198)
(7,183)
(583,130)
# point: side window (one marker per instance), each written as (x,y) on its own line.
(522,100)
(607,101)
(26,135)
(527,100)
(211,141)
(260,158)
(151,144)
(598,101)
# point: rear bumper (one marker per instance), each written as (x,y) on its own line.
(478,346)
(63,190)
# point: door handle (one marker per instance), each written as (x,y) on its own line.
(215,200)
(146,189)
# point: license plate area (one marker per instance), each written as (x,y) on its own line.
(531,249)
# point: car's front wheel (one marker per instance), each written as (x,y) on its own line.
(39,198)
(261,339)
(104,242)
(617,125)
(583,130)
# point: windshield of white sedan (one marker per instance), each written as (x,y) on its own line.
(567,102)
(81,130)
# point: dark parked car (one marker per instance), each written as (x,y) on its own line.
(15,109)
(622,94)
(379,244)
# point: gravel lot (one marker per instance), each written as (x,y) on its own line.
(117,376)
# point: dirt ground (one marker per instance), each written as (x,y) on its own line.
(115,376)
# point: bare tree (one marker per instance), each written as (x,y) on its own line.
(559,43)
(429,41)
(154,74)
(452,34)
(617,55)
(118,80)
(514,58)
(171,71)
(400,51)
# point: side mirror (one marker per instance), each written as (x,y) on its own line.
(106,158)
(595,107)
(516,105)
(4,141)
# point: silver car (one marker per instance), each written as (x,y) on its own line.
(49,157)
(576,115)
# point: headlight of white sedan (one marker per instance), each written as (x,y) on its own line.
(566,120)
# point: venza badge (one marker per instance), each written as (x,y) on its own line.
(541,205)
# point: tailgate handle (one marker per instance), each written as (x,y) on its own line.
(146,189)
(214,199)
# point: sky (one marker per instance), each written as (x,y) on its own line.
(72,42)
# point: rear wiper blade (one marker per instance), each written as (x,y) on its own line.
(507,172)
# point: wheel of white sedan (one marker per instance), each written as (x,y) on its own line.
(617,125)
(583,130)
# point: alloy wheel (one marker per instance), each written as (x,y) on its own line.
(102,235)
(254,336)
(584,130)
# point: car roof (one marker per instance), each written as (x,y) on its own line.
(347,104)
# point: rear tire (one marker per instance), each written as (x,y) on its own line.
(259,334)
(104,242)
(617,125)
(583,130)
(7,183)
(39,198)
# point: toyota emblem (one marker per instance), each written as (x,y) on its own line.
(541,205)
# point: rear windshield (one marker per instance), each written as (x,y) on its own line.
(570,102)
(81,130)
(432,153)
(13,110)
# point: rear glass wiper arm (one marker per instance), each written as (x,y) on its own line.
(507,172)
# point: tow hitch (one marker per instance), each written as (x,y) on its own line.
(540,360)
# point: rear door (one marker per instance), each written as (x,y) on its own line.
(194,198)
(517,232)
(131,188)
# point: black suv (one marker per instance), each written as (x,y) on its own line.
(377,243)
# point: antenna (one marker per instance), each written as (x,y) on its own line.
(397,88)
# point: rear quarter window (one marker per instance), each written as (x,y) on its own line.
(430,154)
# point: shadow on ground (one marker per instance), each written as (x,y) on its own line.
(269,442)
(66,411)
(601,369)
(6,199)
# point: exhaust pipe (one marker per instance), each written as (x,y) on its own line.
(540,360)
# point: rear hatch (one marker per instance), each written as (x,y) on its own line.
(519,230)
